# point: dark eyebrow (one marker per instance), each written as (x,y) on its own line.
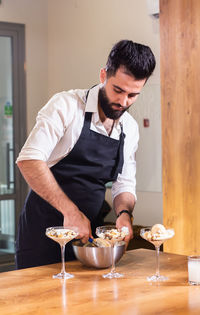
(117,87)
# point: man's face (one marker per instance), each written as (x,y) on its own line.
(111,110)
(118,93)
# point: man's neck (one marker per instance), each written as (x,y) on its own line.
(107,122)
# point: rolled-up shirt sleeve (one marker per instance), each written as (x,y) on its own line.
(126,181)
(51,123)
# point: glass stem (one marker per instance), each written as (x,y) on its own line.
(63,258)
(157,261)
(113,261)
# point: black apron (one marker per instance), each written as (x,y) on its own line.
(95,160)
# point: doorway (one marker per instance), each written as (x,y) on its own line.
(13,188)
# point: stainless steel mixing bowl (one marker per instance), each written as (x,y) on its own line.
(98,257)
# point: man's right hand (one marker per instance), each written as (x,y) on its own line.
(78,219)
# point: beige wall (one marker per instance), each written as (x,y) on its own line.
(34,15)
(66,44)
(81,33)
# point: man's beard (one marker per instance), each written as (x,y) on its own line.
(106,106)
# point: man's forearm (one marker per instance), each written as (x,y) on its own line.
(124,201)
(42,181)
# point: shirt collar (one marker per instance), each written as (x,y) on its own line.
(92,99)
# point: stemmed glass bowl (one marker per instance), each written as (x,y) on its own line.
(157,241)
(113,236)
(62,235)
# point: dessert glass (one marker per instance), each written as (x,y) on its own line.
(157,242)
(105,232)
(62,235)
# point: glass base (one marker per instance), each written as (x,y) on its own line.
(156,278)
(63,275)
(193,283)
(112,275)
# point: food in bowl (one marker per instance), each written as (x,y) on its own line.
(97,242)
(114,234)
(158,232)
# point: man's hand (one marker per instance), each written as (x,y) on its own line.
(78,219)
(126,201)
(124,220)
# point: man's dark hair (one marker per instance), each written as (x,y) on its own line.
(137,59)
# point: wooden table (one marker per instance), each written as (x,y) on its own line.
(33,291)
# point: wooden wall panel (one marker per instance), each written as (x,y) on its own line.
(180,99)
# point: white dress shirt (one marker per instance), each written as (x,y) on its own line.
(58,127)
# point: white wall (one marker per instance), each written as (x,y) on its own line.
(66,44)
(32,13)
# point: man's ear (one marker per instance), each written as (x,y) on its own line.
(103,75)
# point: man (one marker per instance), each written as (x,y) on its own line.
(82,140)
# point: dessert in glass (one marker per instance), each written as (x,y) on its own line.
(112,235)
(157,235)
(62,235)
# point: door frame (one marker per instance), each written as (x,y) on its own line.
(17,33)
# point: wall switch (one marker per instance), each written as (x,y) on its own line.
(146,122)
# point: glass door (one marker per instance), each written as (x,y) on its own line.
(7,207)
(12,134)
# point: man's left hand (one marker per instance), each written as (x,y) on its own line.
(124,220)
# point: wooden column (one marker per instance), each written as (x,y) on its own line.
(180,99)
